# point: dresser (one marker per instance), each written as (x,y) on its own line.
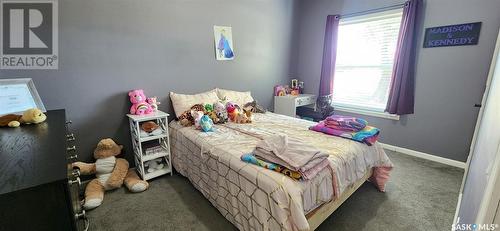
(287,105)
(39,190)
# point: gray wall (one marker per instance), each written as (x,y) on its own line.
(449,80)
(108,47)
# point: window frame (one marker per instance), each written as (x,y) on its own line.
(359,109)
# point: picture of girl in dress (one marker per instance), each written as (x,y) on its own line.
(223,43)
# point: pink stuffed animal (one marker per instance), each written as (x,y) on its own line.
(153,102)
(139,104)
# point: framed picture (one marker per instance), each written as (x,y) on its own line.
(223,37)
(18,95)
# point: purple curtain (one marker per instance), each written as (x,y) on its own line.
(402,91)
(329,55)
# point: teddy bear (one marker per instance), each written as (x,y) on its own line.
(153,101)
(139,104)
(153,165)
(30,116)
(150,128)
(110,172)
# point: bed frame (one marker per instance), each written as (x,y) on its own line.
(320,214)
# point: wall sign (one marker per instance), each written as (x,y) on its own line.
(452,35)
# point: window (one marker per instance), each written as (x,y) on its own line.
(365,56)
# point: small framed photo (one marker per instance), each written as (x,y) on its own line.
(18,95)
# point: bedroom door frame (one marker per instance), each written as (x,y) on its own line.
(487,209)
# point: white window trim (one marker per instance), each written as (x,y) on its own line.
(362,111)
(379,114)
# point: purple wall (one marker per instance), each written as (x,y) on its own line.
(108,47)
(449,80)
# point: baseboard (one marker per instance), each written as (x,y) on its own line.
(423,155)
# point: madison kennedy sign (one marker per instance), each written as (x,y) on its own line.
(29,35)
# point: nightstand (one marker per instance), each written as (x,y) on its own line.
(287,105)
(161,140)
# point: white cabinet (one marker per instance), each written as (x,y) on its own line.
(287,105)
(141,155)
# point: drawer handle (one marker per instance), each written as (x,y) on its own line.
(70,137)
(75,173)
(71,149)
(81,215)
(73,157)
(75,181)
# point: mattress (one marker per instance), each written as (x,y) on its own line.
(254,198)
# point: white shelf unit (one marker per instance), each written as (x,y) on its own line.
(160,118)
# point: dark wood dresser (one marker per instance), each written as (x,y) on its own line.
(39,190)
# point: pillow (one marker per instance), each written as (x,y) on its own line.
(183,102)
(238,97)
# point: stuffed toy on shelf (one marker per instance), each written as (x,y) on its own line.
(139,104)
(150,128)
(154,165)
(30,116)
(153,101)
(110,172)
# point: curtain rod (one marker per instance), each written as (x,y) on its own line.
(373,10)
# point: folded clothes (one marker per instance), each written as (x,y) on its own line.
(310,173)
(367,135)
(289,152)
(345,123)
(250,158)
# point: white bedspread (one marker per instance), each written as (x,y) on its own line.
(254,198)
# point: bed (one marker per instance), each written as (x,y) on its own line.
(254,198)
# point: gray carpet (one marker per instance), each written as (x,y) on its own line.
(421,195)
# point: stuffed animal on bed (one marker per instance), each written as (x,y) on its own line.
(256,108)
(220,111)
(197,117)
(139,104)
(30,116)
(232,110)
(214,117)
(209,108)
(241,118)
(110,172)
(206,123)
(186,119)
(248,112)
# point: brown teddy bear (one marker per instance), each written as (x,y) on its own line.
(30,116)
(111,173)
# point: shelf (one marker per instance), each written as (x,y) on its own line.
(148,138)
(153,156)
(157,173)
(152,116)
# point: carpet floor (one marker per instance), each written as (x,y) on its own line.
(421,195)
